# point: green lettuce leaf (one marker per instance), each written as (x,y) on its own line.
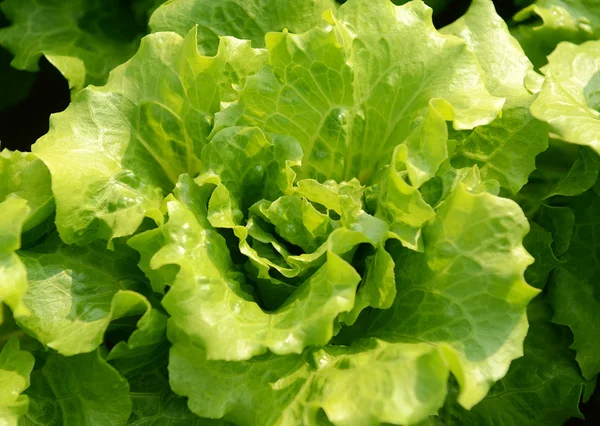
(25,203)
(83,390)
(438,301)
(432,306)
(153,401)
(538,243)
(351,93)
(504,150)
(13,276)
(88,288)
(546,23)
(543,387)
(292,234)
(401,204)
(142,130)
(574,284)
(155,404)
(570,97)
(24,176)
(317,215)
(15,367)
(581,176)
(221,314)
(84,39)
(563,169)
(249,20)
(351,385)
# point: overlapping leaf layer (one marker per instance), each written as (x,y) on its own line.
(297,213)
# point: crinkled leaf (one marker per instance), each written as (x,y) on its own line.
(15,368)
(248,167)
(401,204)
(26,202)
(249,20)
(426,148)
(127,142)
(13,276)
(466,292)
(84,39)
(153,401)
(75,292)
(546,23)
(350,104)
(581,176)
(377,288)
(500,55)
(25,176)
(542,388)
(208,301)
(570,97)
(563,169)
(367,383)
(573,293)
(82,390)
(144,344)
(474,324)
(505,149)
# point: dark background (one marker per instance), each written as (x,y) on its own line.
(24,121)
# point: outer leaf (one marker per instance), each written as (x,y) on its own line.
(365,384)
(154,403)
(563,169)
(15,368)
(74,293)
(538,242)
(25,176)
(25,202)
(569,100)
(466,292)
(581,176)
(349,105)
(574,287)
(542,388)
(13,276)
(562,20)
(504,150)
(84,39)
(82,390)
(249,20)
(500,55)
(559,221)
(128,141)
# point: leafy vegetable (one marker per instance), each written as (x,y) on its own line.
(83,39)
(274,213)
(545,23)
